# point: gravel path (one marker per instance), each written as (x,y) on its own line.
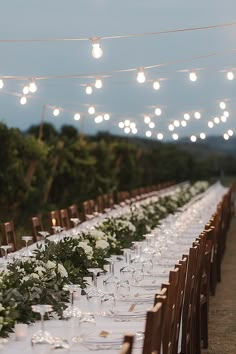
(222,324)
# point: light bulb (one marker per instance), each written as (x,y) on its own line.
(32,87)
(183,123)
(56,112)
(77,116)
(121,125)
(98,119)
(127,130)
(230,132)
(98,83)
(197,115)
(96,49)
(193,138)
(147,119)
(230,75)
(226,114)
(141,76)
(210,124)
(148,133)
(176,123)
(222,105)
(203,136)
(186,116)
(175,136)
(223,119)
(158,111)
(25,90)
(106,116)
(156,85)
(134,131)
(159,136)
(127,122)
(151,125)
(23,100)
(226,136)
(216,120)
(89,90)
(192,76)
(132,125)
(1,83)
(91,110)
(171,127)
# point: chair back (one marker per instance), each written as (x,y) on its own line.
(8,235)
(36,225)
(54,220)
(127,344)
(64,218)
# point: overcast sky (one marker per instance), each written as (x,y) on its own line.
(121,95)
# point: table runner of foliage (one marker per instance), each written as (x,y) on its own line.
(40,279)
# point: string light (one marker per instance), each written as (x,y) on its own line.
(226,114)
(132,125)
(222,105)
(89,90)
(197,115)
(1,84)
(98,119)
(77,116)
(192,76)
(127,122)
(210,124)
(202,136)
(226,136)
(32,86)
(141,76)
(183,123)
(96,49)
(175,136)
(186,116)
(98,83)
(159,136)
(106,116)
(230,75)
(91,110)
(223,119)
(171,127)
(26,90)
(134,131)
(193,138)
(176,123)
(158,111)
(148,133)
(230,132)
(127,130)
(216,120)
(56,112)
(147,119)
(23,100)
(156,85)
(151,125)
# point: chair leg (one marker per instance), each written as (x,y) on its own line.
(204,325)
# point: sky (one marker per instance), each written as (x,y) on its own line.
(121,96)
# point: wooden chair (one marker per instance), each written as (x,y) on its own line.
(127,344)
(100,204)
(36,225)
(73,214)
(54,220)
(64,219)
(88,209)
(154,328)
(8,235)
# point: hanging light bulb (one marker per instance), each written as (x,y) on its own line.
(223,119)
(127,130)
(193,138)
(98,119)
(186,116)
(226,136)
(176,123)
(32,86)
(230,132)
(23,100)
(127,122)
(192,76)
(56,112)
(175,136)
(202,136)
(226,114)
(134,130)
(77,116)
(121,125)
(197,115)
(159,136)
(156,85)
(106,116)
(147,119)
(217,120)
(25,90)
(89,90)
(132,125)
(141,76)
(222,105)
(91,110)
(96,49)
(171,127)
(148,133)
(98,83)
(158,111)
(210,124)
(1,83)
(151,125)
(230,75)
(183,123)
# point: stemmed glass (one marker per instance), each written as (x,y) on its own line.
(94,294)
(111,283)
(127,270)
(44,235)
(27,252)
(57,230)
(72,310)
(5,248)
(42,339)
(87,325)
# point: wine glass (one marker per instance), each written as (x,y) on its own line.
(111,282)
(124,288)
(87,324)
(58,230)
(72,310)
(5,248)
(60,345)
(27,252)
(44,235)
(108,303)
(127,270)
(42,340)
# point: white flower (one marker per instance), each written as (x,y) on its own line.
(25,278)
(34,276)
(61,269)
(1,307)
(97,234)
(87,249)
(102,244)
(50,265)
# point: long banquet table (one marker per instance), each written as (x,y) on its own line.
(172,239)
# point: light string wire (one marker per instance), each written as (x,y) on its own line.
(118,71)
(145,34)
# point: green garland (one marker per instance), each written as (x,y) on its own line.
(40,279)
